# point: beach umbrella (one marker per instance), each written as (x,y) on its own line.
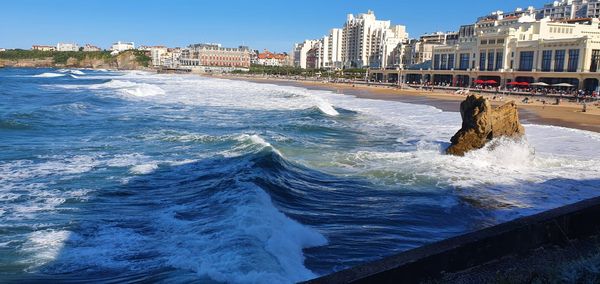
(540,84)
(524,83)
(562,85)
(514,83)
(479,81)
(491,82)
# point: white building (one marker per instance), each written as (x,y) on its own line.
(364,38)
(61,46)
(121,46)
(515,49)
(364,41)
(301,52)
(329,52)
(570,9)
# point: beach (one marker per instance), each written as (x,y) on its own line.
(567,114)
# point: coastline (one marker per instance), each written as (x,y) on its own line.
(567,114)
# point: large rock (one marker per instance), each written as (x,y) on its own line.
(482,123)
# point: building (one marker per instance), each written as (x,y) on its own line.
(2,49)
(363,42)
(365,38)
(214,55)
(43,47)
(67,47)
(267,58)
(563,9)
(420,52)
(301,52)
(329,53)
(119,46)
(89,48)
(515,49)
(157,53)
(570,9)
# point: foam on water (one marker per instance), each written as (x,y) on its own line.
(207,208)
(48,75)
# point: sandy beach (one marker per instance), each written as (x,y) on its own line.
(567,114)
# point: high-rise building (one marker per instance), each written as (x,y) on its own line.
(366,41)
(363,42)
(300,52)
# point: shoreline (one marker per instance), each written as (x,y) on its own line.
(567,114)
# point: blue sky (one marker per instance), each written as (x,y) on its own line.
(275,25)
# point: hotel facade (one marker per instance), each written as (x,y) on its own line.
(514,48)
(214,55)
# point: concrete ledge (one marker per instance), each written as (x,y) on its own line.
(553,227)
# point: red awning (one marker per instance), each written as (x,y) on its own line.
(479,82)
(524,83)
(491,82)
(514,84)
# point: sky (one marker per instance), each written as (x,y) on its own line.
(265,24)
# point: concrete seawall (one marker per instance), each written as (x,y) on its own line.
(553,227)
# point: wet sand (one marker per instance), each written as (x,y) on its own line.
(567,114)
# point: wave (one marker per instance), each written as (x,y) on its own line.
(48,75)
(72,71)
(326,107)
(215,221)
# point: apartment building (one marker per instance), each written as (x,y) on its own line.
(363,42)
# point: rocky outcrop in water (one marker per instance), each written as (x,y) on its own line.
(482,123)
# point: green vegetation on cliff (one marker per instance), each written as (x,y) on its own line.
(141,57)
(62,57)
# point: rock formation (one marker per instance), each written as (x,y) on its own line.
(482,123)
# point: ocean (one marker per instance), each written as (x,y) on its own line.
(133,176)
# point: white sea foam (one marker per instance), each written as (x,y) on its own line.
(48,75)
(144,168)
(72,71)
(43,246)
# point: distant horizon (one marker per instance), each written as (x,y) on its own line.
(270,25)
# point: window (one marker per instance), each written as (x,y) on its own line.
(464,61)
(559,60)
(499,58)
(546,60)
(436,62)
(450,61)
(444,64)
(573,60)
(483,41)
(526,61)
(482,61)
(595,60)
(490,61)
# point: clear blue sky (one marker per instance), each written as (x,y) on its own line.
(275,25)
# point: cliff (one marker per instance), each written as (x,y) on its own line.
(127,60)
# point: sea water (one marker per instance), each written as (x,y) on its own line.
(133,176)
